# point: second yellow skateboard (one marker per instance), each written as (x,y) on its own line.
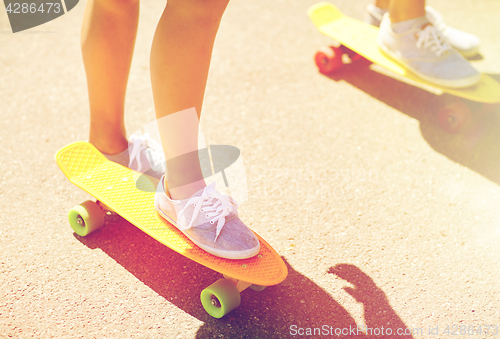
(358,39)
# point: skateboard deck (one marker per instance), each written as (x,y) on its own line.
(361,38)
(116,187)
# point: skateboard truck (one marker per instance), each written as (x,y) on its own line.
(80,221)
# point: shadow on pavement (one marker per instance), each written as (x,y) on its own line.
(378,313)
(271,313)
(474,146)
(298,304)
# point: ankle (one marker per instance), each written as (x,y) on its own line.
(186,191)
(109,145)
(382,4)
(403,26)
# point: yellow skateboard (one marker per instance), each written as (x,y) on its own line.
(359,40)
(117,189)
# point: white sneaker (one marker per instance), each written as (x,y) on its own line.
(143,155)
(146,155)
(467,44)
(425,51)
(210,220)
(374,15)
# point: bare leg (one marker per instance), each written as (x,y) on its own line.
(384,4)
(108,36)
(180,60)
(402,10)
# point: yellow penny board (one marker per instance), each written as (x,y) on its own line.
(115,186)
(361,38)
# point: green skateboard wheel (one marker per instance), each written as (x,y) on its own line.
(220,298)
(86,218)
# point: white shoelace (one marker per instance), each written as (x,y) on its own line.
(431,38)
(214,204)
(154,151)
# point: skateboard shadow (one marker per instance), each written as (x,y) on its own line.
(274,312)
(298,304)
(474,146)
